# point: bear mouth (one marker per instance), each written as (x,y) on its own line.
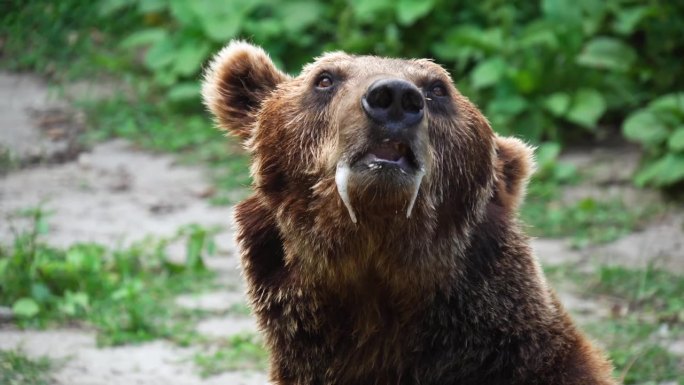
(390,154)
(390,158)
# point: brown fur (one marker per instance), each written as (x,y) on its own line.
(451,295)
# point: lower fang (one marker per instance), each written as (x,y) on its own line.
(342,182)
(417,181)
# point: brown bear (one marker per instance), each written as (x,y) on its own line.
(382,244)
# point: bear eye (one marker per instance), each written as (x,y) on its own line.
(438,90)
(324,81)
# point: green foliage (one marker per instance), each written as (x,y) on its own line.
(240,352)
(18,369)
(649,289)
(637,358)
(654,306)
(125,293)
(659,128)
(538,69)
(65,37)
(586,221)
(557,70)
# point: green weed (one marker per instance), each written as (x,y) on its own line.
(240,352)
(648,311)
(636,351)
(18,369)
(587,221)
(62,38)
(127,293)
(240,309)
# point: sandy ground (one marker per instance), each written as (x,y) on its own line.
(114,194)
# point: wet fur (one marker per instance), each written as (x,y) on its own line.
(453,295)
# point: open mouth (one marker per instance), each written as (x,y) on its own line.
(390,153)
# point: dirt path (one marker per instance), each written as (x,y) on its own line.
(115,194)
(112,194)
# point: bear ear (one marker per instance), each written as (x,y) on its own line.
(514,166)
(237,80)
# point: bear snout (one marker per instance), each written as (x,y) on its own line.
(395,105)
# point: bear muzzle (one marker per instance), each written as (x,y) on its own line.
(395,105)
(388,160)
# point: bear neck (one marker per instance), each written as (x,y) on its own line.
(332,253)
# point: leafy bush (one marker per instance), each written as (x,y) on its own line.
(659,127)
(537,67)
(558,70)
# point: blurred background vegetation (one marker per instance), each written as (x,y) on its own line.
(558,71)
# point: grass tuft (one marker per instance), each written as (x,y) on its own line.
(127,294)
(240,352)
(18,369)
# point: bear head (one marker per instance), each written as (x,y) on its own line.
(365,147)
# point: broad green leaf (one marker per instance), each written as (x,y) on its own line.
(40,292)
(547,153)
(488,72)
(557,103)
(189,57)
(508,105)
(220,20)
(26,308)
(85,257)
(299,15)
(144,37)
(525,80)
(564,172)
(676,141)
(220,30)
(366,9)
(565,10)
(109,7)
(607,53)
(165,77)
(184,91)
(486,40)
(627,19)
(666,171)
(408,11)
(644,127)
(160,55)
(669,102)
(147,6)
(531,125)
(538,33)
(587,108)
(184,11)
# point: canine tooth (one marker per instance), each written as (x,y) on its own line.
(342,182)
(417,180)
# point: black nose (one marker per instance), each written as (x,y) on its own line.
(394,103)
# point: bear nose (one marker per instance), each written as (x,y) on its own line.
(394,103)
